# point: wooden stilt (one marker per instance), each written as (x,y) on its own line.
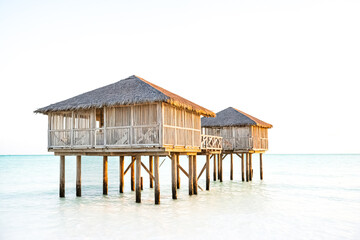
(214,167)
(62,177)
(142,183)
(247,167)
(157,183)
(121,163)
(173,175)
(132,177)
(195,184)
(138,179)
(151,170)
(191,178)
(250,168)
(105,175)
(78,176)
(207,172)
(231,166)
(261,167)
(242,167)
(220,167)
(178,170)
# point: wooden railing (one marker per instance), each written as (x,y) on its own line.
(211,142)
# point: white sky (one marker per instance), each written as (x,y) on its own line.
(294,64)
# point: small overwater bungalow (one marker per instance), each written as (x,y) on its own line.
(242,135)
(134,118)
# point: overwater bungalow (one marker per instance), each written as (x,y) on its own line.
(131,117)
(242,135)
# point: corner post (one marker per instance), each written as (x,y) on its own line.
(242,167)
(220,167)
(191,187)
(247,167)
(231,166)
(207,172)
(195,182)
(105,175)
(78,176)
(157,182)
(62,177)
(250,168)
(138,179)
(132,176)
(178,170)
(173,175)
(214,175)
(121,163)
(261,167)
(151,169)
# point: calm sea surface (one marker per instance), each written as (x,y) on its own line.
(301,197)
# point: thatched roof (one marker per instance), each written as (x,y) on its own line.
(132,90)
(233,117)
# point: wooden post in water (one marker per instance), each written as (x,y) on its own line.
(78,176)
(62,177)
(207,172)
(142,183)
(151,170)
(247,167)
(195,182)
(132,177)
(191,178)
(231,166)
(261,167)
(214,155)
(173,175)
(218,165)
(242,167)
(221,168)
(157,183)
(178,170)
(138,179)
(251,170)
(121,163)
(105,175)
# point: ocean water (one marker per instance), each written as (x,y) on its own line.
(301,197)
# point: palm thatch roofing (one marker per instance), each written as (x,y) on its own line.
(233,117)
(132,90)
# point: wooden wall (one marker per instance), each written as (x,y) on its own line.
(241,138)
(181,127)
(146,125)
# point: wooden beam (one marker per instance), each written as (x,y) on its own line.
(207,172)
(242,155)
(78,176)
(130,165)
(62,176)
(201,172)
(173,175)
(261,167)
(183,170)
(138,179)
(157,183)
(105,175)
(191,179)
(195,183)
(151,171)
(121,175)
(178,170)
(221,169)
(147,170)
(231,166)
(132,176)
(217,156)
(242,168)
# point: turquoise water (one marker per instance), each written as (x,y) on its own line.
(301,197)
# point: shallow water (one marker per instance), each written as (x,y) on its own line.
(301,197)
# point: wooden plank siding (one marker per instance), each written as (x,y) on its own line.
(241,138)
(154,125)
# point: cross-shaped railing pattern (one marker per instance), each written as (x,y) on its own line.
(211,142)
